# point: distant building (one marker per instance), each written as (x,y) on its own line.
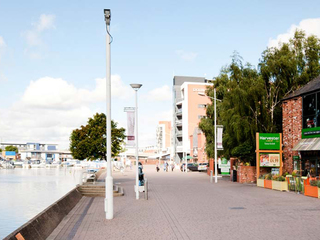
(164,136)
(189,106)
(38,151)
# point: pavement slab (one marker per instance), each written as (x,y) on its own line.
(187,206)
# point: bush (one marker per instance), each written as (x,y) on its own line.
(268,176)
(281,179)
(314,183)
(318,184)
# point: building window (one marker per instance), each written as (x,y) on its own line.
(202,105)
(311,105)
(201,116)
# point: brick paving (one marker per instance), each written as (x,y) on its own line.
(188,206)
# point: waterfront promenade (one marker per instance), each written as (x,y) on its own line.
(188,206)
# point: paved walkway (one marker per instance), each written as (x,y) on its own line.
(188,206)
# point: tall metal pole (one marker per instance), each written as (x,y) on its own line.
(137,152)
(215,139)
(109,178)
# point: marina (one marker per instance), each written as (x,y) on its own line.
(25,192)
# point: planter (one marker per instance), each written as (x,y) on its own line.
(280,186)
(268,184)
(260,182)
(311,191)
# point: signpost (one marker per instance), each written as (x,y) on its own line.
(269,151)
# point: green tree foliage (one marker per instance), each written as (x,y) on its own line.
(89,141)
(11,149)
(251,98)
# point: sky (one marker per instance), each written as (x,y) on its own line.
(53,56)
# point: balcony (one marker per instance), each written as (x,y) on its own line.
(179,133)
(179,112)
(179,123)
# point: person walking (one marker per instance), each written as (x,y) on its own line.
(172,166)
(157,168)
(164,166)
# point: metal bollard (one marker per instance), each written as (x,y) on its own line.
(146,189)
(211,176)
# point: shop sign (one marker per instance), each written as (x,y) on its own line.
(269,160)
(269,141)
(311,132)
(224,166)
(296,158)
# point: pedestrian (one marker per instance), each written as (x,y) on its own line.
(172,166)
(167,166)
(157,168)
(164,166)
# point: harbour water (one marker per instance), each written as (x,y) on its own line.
(26,192)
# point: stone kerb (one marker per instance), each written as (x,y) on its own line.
(41,226)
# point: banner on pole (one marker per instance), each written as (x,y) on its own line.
(219,137)
(130,126)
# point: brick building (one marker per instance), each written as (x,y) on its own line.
(301,129)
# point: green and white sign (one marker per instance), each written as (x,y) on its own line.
(224,165)
(269,141)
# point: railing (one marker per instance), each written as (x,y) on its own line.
(296,184)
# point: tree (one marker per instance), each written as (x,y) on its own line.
(241,90)
(11,149)
(89,141)
(252,97)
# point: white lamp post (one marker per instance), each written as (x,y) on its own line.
(215,133)
(136,87)
(109,178)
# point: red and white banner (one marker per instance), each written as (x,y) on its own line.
(130,128)
(219,137)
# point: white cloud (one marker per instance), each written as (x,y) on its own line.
(51,108)
(45,22)
(187,56)
(33,36)
(2,42)
(56,93)
(3,45)
(163,93)
(311,26)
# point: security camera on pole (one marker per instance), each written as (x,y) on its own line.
(109,178)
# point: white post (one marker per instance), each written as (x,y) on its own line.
(215,139)
(137,152)
(109,178)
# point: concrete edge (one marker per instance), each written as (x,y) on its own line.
(43,224)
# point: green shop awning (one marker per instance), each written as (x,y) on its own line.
(308,144)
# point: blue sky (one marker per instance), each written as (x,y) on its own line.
(52,56)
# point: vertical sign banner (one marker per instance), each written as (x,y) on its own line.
(219,137)
(130,127)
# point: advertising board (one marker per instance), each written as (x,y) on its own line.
(269,159)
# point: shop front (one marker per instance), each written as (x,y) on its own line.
(301,130)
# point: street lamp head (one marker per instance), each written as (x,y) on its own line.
(136,86)
(107,16)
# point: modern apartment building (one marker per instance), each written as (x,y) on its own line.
(189,106)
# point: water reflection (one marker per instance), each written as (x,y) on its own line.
(26,192)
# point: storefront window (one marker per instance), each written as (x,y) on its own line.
(310,111)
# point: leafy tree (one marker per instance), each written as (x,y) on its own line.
(251,98)
(0,150)
(11,149)
(89,141)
